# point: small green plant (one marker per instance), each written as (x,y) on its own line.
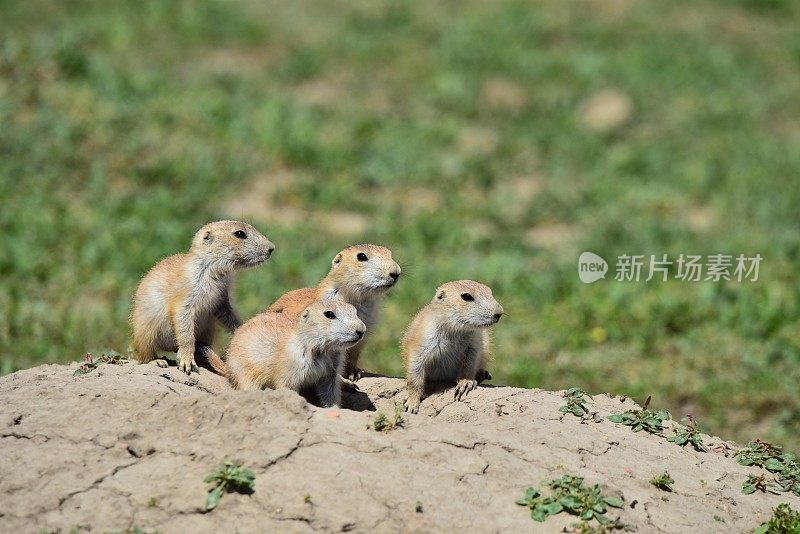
(759,483)
(584,527)
(229,477)
(576,403)
(568,494)
(784,520)
(783,466)
(307,498)
(762,454)
(381,423)
(644,419)
(91,363)
(152,502)
(689,433)
(662,481)
(789,478)
(418,507)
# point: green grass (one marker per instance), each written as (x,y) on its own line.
(453,133)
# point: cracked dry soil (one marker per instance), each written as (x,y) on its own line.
(129,445)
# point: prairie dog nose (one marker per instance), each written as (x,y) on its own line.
(359,334)
(498,313)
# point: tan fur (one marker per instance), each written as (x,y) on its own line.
(360,283)
(275,350)
(448,341)
(177,301)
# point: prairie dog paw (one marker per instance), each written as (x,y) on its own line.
(354,375)
(412,403)
(349,385)
(464,386)
(482,375)
(188,365)
(160,362)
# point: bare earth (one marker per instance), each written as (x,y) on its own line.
(128,446)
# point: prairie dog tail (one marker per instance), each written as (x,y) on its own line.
(209,359)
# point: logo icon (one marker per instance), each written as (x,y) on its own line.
(591,267)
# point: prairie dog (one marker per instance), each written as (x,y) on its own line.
(360,275)
(275,350)
(448,340)
(177,300)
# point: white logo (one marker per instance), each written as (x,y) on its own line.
(591,267)
(687,268)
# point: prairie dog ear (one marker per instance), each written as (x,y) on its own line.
(208,238)
(304,316)
(337,260)
(440,295)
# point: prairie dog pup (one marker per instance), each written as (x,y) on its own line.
(177,300)
(360,275)
(277,351)
(448,339)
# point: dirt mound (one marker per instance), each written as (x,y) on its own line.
(129,446)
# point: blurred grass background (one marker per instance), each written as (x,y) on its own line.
(492,140)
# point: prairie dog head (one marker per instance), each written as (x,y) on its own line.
(232,245)
(331,323)
(364,268)
(467,304)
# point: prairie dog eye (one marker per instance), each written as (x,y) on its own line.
(240,234)
(329,314)
(468,297)
(361,256)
